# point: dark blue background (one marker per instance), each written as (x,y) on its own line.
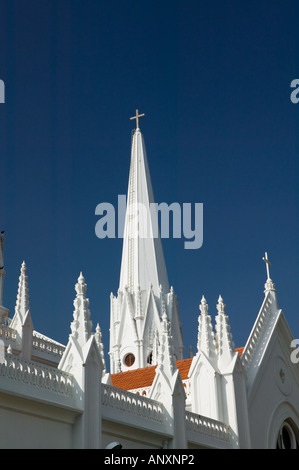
(214,81)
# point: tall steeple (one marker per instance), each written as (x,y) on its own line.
(143,294)
(142,257)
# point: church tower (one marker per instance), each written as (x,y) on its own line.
(143,296)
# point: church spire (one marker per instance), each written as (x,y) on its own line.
(166,354)
(225,345)
(22,303)
(206,339)
(81,326)
(143,298)
(142,257)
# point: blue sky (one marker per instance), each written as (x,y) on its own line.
(214,81)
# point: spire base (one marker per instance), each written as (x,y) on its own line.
(269,286)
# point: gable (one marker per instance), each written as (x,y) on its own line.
(273,397)
(151,313)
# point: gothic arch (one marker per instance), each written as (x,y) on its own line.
(283,414)
(204,384)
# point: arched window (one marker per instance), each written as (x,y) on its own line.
(287,437)
(150,358)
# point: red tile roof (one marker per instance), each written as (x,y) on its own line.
(184,365)
(139,378)
(136,378)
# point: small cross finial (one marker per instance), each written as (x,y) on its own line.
(269,286)
(267,264)
(137,118)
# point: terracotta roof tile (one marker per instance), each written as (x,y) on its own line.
(136,378)
(184,365)
(240,350)
(144,377)
(139,378)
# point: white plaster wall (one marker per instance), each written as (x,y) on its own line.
(272,391)
(32,425)
(23,431)
(130,437)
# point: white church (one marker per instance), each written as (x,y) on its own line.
(54,395)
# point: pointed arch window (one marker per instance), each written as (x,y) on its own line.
(150,358)
(287,437)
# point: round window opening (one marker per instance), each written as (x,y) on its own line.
(129,360)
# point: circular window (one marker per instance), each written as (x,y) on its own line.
(129,360)
(286,437)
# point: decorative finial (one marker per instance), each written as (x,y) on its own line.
(81,287)
(22,303)
(98,333)
(224,341)
(203,307)
(98,339)
(220,306)
(165,317)
(205,336)
(81,326)
(137,118)
(267,264)
(269,285)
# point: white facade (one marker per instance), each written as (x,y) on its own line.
(63,396)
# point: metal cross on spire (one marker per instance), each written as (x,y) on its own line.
(137,118)
(267,264)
